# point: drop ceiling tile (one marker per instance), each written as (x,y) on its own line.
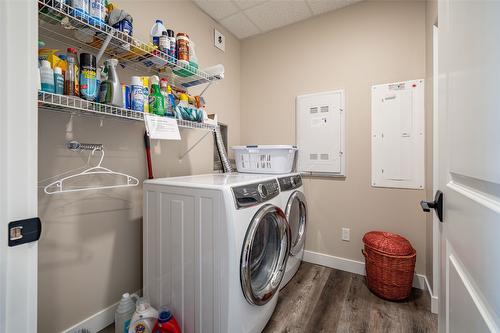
(217,9)
(322,6)
(245,4)
(240,25)
(271,15)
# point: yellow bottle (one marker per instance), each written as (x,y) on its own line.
(145,85)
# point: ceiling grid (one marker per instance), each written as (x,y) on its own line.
(245,18)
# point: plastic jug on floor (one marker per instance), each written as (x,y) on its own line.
(166,322)
(124,312)
(144,317)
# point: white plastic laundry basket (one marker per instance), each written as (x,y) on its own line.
(264,159)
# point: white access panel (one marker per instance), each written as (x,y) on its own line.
(320,122)
(398,124)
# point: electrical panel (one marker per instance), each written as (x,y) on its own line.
(320,126)
(398,125)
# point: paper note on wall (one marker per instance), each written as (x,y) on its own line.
(163,128)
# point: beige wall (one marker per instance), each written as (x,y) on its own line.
(431,14)
(353,48)
(90,251)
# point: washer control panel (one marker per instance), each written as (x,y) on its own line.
(253,194)
(290,182)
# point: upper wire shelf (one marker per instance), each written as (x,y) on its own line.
(60,24)
(78,106)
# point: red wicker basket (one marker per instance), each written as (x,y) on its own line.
(390,264)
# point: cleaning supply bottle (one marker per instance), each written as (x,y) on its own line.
(72,74)
(166,322)
(164,92)
(136,94)
(47,77)
(124,313)
(88,76)
(144,317)
(193,59)
(69,76)
(171,111)
(157,31)
(111,89)
(183,109)
(156,99)
(98,80)
(80,8)
(145,90)
(58,81)
(97,12)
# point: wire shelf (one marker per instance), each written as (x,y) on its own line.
(78,106)
(61,23)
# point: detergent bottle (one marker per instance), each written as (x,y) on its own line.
(166,322)
(157,31)
(124,313)
(144,317)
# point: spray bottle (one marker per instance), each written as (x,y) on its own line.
(156,99)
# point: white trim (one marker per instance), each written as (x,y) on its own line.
(434,298)
(486,311)
(491,202)
(436,230)
(98,321)
(18,162)
(354,266)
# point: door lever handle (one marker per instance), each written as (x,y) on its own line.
(437,205)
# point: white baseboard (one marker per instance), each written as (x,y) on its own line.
(434,298)
(356,267)
(97,321)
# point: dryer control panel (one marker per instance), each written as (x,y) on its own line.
(290,182)
(253,194)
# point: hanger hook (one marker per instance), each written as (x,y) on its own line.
(102,158)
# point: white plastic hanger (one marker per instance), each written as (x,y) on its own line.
(58,185)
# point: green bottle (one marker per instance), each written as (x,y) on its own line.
(156,99)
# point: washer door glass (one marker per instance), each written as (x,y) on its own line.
(296,215)
(264,255)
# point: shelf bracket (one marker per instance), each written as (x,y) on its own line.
(103,47)
(206,88)
(194,145)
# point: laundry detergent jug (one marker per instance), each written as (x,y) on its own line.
(144,317)
(124,313)
(166,322)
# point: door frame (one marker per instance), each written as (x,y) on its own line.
(18,162)
(436,224)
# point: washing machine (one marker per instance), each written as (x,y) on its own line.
(294,204)
(215,249)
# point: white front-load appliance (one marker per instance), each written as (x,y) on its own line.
(215,250)
(293,203)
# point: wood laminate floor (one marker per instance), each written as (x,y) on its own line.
(324,300)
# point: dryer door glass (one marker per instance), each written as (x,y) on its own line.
(296,215)
(264,255)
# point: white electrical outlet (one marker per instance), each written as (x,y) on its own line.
(346,234)
(219,40)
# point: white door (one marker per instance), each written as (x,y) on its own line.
(18,162)
(469,165)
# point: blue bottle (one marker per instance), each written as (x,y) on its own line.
(97,12)
(58,81)
(80,9)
